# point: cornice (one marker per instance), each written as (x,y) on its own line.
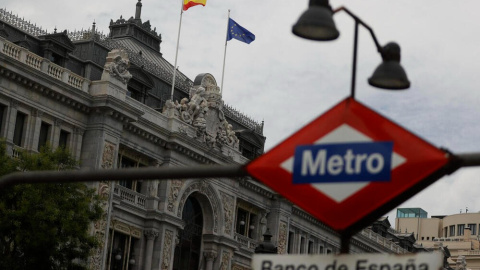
(306,216)
(251,185)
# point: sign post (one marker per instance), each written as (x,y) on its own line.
(350,166)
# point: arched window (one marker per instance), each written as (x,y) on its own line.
(187,252)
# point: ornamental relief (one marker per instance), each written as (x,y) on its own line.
(228,209)
(239,267)
(175,186)
(108,155)
(282,238)
(100,226)
(204,188)
(225,260)
(204,111)
(117,65)
(167,249)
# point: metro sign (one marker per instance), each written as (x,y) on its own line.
(348,163)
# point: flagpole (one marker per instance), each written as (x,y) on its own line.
(225,53)
(176,52)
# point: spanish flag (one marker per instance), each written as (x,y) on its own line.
(190,3)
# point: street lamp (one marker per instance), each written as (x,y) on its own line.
(118,257)
(316,23)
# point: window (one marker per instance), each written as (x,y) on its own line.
(302,245)
(445,232)
(125,162)
(246,222)
(19,128)
(121,252)
(452,230)
(291,236)
(2,115)
(460,229)
(310,247)
(321,249)
(63,140)
(473,228)
(43,137)
(329,251)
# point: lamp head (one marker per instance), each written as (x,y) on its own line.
(316,23)
(390,74)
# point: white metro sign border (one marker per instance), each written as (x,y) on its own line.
(338,181)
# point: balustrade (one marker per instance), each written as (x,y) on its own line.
(130,196)
(39,63)
(246,242)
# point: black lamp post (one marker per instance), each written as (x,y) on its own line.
(118,258)
(317,24)
(266,247)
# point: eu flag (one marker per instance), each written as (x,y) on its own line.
(239,33)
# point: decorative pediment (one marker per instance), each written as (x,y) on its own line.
(58,40)
(204,111)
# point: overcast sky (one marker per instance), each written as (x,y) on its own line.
(288,81)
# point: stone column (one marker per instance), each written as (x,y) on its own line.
(77,142)
(56,133)
(150,235)
(12,116)
(209,258)
(36,124)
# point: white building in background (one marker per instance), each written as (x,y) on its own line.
(458,232)
(106,99)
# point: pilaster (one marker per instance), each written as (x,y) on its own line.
(36,124)
(12,115)
(150,235)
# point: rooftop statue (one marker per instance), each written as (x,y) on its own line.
(117,65)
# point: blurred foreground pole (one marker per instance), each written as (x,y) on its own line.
(201,171)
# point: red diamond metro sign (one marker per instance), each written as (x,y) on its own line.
(346,164)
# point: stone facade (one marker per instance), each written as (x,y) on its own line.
(107,114)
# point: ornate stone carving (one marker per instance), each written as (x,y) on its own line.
(206,189)
(239,267)
(175,186)
(210,255)
(204,111)
(228,204)
(100,226)
(461,263)
(151,234)
(282,238)
(263,224)
(167,249)
(225,260)
(117,65)
(108,155)
(152,188)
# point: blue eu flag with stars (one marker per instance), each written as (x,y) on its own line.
(239,33)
